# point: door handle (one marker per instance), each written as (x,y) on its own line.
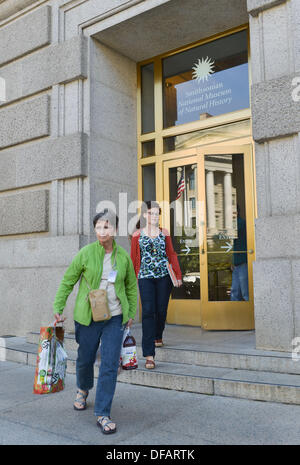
(250,251)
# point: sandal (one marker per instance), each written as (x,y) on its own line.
(105,422)
(159,343)
(81,400)
(150,364)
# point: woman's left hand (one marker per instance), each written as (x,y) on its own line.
(179,282)
(129,323)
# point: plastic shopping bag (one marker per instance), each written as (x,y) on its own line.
(51,363)
(128,357)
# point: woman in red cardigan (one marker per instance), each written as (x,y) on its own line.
(151,250)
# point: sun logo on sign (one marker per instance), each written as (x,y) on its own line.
(203,69)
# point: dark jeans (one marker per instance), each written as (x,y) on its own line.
(239,285)
(155,294)
(88,337)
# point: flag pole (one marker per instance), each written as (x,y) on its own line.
(184,200)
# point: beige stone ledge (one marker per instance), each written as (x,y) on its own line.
(257,6)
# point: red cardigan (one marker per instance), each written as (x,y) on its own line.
(171,254)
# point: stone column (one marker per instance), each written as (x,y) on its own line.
(43,164)
(228,201)
(210,199)
(275,63)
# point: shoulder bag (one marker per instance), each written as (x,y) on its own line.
(98,301)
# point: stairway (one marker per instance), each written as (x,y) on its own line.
(212,363)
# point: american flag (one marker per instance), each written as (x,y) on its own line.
(180,185)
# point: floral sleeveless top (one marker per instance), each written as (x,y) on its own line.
(153,256)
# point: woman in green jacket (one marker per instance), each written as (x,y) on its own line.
(103,264)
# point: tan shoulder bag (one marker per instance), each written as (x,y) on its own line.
(98,301)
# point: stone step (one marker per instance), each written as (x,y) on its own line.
(277,362)
(251,385)
(221,381)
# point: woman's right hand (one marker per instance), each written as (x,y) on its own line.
(129,323)
(59,318)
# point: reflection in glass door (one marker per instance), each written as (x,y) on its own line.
(226,235)
(228,249)
(184,223)
(183,215)
(211,220)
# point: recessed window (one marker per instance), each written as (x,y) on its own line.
(148,148)
(147,97)
(149,187)
(206,136)
(193,202)
(206,81)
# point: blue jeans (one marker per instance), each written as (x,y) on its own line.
(155,294)
(110,333)
(239,285)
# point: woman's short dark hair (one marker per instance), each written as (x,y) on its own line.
(107,215)
(145,207)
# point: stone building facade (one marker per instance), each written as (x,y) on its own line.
(68,138)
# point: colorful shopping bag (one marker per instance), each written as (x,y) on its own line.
(51,363)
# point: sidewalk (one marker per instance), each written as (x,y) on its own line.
(144,416)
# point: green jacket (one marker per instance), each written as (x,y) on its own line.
(89,260)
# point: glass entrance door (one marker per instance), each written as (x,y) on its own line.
(210,215)
(182,216)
